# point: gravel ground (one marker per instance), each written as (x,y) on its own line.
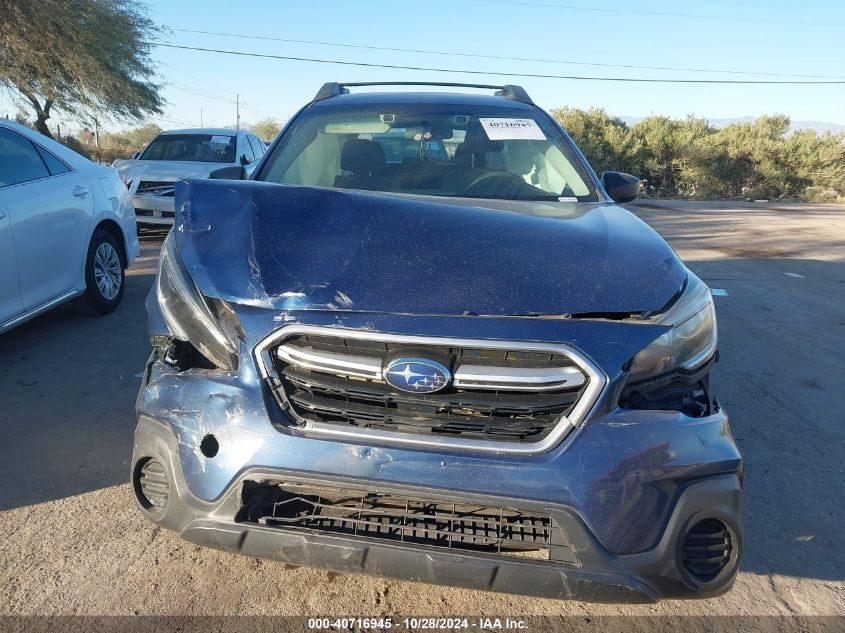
(73,542)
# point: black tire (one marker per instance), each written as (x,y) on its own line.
(97,299)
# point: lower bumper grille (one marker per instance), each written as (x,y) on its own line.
(152,485)
(707,549)
(408,520)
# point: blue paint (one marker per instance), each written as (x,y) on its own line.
(293,247)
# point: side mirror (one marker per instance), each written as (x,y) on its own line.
(620,187)
(244,160)
(136,155)
(233,172)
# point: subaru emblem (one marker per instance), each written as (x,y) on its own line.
(417,375)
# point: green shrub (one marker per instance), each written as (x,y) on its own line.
(690,158)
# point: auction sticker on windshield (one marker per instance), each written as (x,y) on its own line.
(512,129)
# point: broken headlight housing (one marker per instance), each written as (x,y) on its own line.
(690,342)
(207,324)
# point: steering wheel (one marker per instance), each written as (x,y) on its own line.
(507,180)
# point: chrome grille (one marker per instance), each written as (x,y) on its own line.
(502,393)
(156,187)
(416,521)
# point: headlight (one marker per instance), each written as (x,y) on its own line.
(207,324)
(689,343)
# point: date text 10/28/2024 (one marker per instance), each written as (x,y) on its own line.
(416,624)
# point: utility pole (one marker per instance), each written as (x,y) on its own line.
(201,117)
(237,111)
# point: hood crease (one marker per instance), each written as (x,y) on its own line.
(286,247)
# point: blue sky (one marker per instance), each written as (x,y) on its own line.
(760,36)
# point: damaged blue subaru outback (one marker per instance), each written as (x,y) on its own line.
(424,341)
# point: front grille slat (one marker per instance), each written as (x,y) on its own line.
(416,420)
(380,394)
(508,395)
(411,521)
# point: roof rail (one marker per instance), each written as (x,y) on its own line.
(508,91)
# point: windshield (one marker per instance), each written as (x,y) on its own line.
(439,150)
(202,148)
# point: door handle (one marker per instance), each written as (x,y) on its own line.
(79,191)
(2,215)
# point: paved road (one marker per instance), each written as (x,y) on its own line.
(72,542)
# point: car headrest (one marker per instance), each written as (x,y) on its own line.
(362,157)
(475,146)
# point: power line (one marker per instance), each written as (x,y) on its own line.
(203,92)
(261,113)
(498,73)
(183,74)
(175,121)
(199,93)
(497,57)
(697,16)
(203,87)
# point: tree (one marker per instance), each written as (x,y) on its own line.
(85,58)
(125,144)
(140,136)
(266,129)
(691,158)
(602,138)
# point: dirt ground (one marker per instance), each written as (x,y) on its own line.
(73,542)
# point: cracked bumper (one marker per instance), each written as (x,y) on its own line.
(600,575)
(624,487)
(418,564)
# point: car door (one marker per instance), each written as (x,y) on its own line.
(258,149)
(49,206)
(245,154)
(10,289)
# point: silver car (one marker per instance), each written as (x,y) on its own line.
(67,228)
(177,154)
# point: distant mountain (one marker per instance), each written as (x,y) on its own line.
(818,126)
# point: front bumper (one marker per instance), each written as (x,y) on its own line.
(151,209)
(624,492)
(598,576)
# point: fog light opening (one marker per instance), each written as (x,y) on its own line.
(151,484)
(707,549)
(209,446)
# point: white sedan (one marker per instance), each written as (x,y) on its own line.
(67,228)
(177,154)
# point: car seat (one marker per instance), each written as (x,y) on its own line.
(365,160)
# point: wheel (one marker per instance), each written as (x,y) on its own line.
(104,279)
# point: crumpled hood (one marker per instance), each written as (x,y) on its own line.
(297,248)
(164,171)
